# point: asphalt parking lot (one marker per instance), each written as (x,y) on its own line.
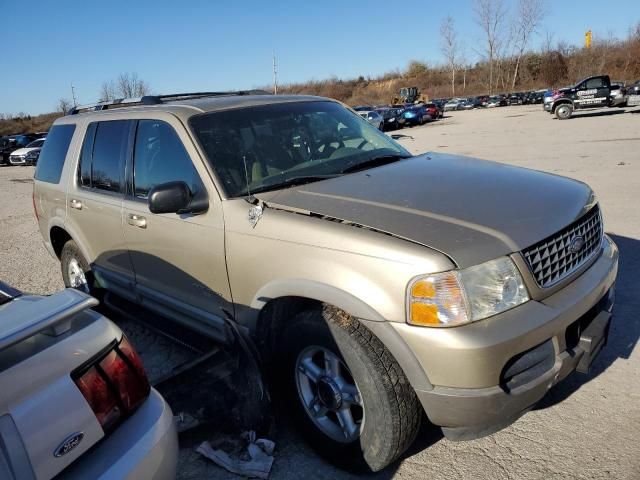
(587,427)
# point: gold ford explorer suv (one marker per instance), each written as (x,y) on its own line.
(376,284)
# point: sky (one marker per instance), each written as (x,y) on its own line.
(184,46)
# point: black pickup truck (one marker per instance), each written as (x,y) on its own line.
(592,92)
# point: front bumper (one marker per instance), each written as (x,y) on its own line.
(144,447)
(547,106)
(466,365)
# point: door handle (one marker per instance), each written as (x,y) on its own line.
(137,220)
(77,204)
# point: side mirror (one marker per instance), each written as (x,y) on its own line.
(171,197)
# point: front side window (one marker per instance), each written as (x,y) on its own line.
(109,149)
(269,147)
(53,153)
(160,157)
(594,83)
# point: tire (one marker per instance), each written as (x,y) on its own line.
(387,418)
(564,111)
(76,272)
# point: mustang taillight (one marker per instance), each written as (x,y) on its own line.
(114,384)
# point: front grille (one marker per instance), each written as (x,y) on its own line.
(555,258)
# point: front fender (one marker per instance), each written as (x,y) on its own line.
(297,287)
(560,101)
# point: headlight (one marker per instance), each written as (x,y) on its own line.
(462,296)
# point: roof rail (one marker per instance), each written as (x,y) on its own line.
(156,99)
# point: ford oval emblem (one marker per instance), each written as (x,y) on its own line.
(576,244)
(69,443)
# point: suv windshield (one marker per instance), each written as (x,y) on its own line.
(269,147)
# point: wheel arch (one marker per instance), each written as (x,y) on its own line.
(559,102)
(58,237)
(278,303)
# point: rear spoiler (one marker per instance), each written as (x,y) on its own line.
(23,319)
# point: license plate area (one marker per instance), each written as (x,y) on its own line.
(592,339)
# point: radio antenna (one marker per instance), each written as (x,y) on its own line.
(246,178)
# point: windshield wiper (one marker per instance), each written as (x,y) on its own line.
(291,181)
(374,162)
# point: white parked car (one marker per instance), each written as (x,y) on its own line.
(75,401)
(374,118)
(27,155)
(453,104)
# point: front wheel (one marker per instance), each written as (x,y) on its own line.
(564,111)
(350,397)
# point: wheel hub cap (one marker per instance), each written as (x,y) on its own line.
(329,393)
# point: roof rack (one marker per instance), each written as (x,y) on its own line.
(156,100)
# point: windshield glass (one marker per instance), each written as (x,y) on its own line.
(262,148)
(35,143)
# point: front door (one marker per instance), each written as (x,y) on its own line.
(178,259)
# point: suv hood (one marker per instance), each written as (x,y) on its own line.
(472,210)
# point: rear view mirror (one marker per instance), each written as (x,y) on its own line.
(175,197)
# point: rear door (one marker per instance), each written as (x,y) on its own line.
(178,259)
(94,203)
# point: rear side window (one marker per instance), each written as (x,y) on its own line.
(53,153)
(160,157)
(109,149)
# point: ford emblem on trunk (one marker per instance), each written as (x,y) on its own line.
(69,443)
(576,244)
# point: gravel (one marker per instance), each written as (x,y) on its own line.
(587,427)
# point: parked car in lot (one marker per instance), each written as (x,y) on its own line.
(11,143)
(618,94)
(377,285)
(434,111)
(76,402)
(27,155)
(373,117)
(465,105)
(453,104)
(633,94)
(496,101)
(416,115)
(392,117)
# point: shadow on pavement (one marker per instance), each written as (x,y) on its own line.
(597,114)
(625,327)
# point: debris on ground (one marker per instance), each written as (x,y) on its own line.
(244,455)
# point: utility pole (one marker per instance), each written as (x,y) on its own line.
(73,95)
(275,75)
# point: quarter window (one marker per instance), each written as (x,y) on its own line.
(53,153)
(160,157)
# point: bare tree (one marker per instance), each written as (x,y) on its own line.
(108,91)
(64,105)
(127,85)
(529,15)
(449,46)
(490,16)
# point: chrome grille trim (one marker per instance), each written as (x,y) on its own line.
(551,260)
